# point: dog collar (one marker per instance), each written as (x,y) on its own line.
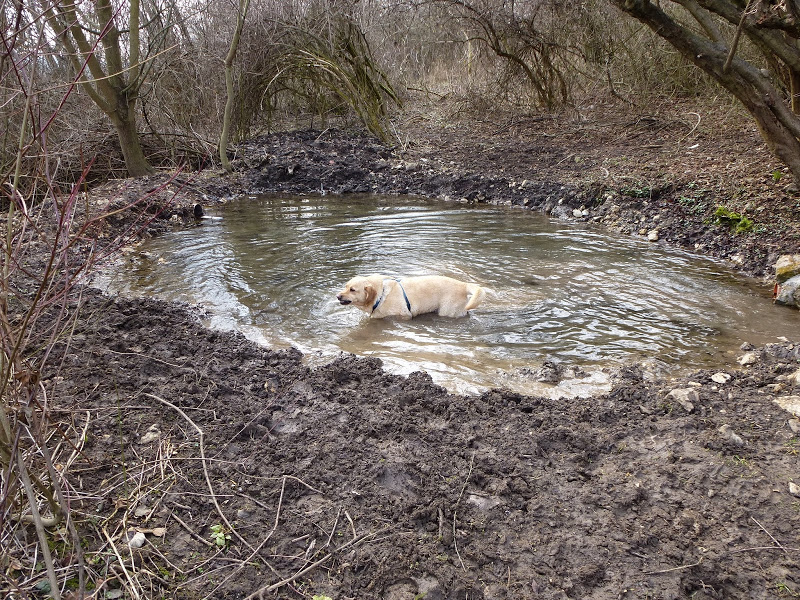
(383,295)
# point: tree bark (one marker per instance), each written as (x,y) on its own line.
(226,119)
(112,84)
(779,126)
(135,161)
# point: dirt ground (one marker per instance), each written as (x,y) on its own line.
(251,474)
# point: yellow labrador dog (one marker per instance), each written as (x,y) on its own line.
(383,296)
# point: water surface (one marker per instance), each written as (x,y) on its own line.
(568,293)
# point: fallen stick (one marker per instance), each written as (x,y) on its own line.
(271,588)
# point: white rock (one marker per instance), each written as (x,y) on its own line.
(137,540)
(152,434)
(730,435)
(577,213)
(789,403)
(787,266)
(748,359)
(794,425)
(686,397)
(484,503)
(794,489)
(720,377)
(794,378)
(788,292)
(652,236)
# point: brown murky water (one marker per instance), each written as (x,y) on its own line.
(567,293)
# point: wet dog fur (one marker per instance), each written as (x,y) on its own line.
(382,296)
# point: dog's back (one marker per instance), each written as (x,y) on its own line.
(383,296)
(444,295)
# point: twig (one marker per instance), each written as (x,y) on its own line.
(37,520)
(300,481)
(735,42)
(673,569)
(455,509)
(565,159)
(777,543)
(78,448)
(696,125)
(194,534)
(352,525)
(271,588)
(333,529)
(261,545)
(762,548)
(134,591)
(205,467)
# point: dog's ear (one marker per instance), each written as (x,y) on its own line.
(370,294)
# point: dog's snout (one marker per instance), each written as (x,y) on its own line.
(342,299)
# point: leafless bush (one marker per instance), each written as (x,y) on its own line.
(318,62)
(51,239)
(528,54)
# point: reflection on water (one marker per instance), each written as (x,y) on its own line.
(567,293)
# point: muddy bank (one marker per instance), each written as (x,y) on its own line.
(680,211)
(249,472)
(402,489)
(670,210)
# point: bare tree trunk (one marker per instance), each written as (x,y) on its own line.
(114,82)
(135,161)
(226,119)
(778,125)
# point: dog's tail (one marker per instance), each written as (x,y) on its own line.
(476,296)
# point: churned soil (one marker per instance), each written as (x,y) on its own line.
(252,474)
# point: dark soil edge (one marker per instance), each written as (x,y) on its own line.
(630,494)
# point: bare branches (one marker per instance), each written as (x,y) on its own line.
(365,537)
(49,248)
(761,94)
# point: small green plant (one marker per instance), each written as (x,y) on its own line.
(741,460)
(784,591)
(792,447)
(219,536)
(736,221)
(693,205)
(637,191)
(320,597)
(777,175)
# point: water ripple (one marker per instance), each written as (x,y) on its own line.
(557,291)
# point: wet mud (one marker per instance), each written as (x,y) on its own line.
(348,482)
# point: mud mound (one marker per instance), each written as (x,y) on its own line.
(389,487)
(250,474)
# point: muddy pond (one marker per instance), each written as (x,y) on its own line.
(569,294)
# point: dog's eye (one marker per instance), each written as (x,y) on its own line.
(352,289)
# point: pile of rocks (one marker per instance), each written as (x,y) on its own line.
(787,280)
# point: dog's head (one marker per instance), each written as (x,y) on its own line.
(359,291)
